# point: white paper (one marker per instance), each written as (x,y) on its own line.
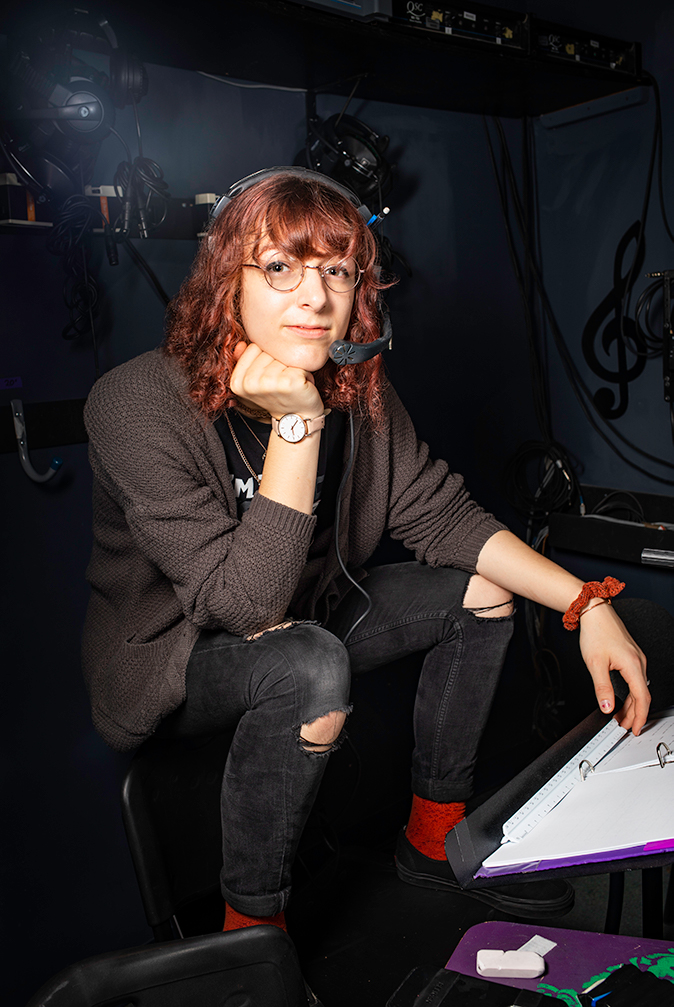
(609,811)
(634,753)
(541,945)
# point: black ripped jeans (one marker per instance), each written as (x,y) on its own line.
(269,687)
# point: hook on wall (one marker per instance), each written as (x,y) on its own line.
(22,442)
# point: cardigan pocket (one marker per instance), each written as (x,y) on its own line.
(140,685)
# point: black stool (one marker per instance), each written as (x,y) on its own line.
(257,965)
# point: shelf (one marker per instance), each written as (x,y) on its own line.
(285,44)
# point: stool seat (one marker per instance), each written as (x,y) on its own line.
(257,965)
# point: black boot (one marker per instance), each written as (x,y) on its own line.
(529,900)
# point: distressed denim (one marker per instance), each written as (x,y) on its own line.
(270,686)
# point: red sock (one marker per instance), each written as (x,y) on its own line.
(429,824)
(235,920)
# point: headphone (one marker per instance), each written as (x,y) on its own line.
(341,351)
(80,107)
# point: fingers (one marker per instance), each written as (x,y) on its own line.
(260,378)
(634,712)
(607,646)
(603,690)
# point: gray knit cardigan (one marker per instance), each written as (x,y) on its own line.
(170,557)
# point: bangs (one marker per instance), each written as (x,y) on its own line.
(317,229)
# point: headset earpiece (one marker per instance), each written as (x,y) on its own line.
(128,78)
(79,94)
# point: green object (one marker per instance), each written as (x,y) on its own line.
(661,964)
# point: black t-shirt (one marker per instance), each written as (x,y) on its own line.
(253,437)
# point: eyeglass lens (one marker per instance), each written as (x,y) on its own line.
(283,272)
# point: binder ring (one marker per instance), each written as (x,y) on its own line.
(584,772)
(662,756)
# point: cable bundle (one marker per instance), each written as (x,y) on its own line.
(67,239)
(130,180)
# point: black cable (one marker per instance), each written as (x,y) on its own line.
(348,100)
(661,195)
(541,408)
(338,511)
(90,310)
(137,121)
(123,143)
(578,384)
(611,502)
(71,227)
(131,178)
(653,341)
(147,269)
(29,181)
(557,483)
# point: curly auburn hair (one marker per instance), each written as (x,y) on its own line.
(304,218)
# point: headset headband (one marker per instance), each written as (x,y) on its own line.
(305,173)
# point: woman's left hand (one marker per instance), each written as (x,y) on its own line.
(607,646)
(604,641)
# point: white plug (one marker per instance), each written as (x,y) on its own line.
(510,964)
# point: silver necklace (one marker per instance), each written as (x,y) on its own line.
(240,449)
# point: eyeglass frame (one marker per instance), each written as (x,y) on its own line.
(321,269)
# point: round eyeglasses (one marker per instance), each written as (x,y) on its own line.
(286,273)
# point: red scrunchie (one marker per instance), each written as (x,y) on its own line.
(593,589)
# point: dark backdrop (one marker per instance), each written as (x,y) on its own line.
(460,365)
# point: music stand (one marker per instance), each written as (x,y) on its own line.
(480,833)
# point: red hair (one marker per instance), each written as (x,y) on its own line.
(304,218)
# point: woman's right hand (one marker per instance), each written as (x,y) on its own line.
(260,379)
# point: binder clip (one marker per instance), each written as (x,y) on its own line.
(662,751)
(584,768)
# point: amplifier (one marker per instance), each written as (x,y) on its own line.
(555,42)
(478,23)
(497,28)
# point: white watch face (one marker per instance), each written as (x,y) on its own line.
(292,428)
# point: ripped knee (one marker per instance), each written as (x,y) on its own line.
(487,600)
(274,629)
(323,735)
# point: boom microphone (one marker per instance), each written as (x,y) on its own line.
(343,352)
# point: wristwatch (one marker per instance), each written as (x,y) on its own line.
(294,428)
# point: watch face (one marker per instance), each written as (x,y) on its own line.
(292,427)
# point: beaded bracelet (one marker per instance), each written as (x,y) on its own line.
(593,589)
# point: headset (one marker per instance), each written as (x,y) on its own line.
(341,351)
(62,108)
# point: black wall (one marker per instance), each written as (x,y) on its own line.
(460,364)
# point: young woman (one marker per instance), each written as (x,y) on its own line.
(242,481)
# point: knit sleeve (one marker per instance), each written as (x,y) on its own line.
(430,509)
(153,460)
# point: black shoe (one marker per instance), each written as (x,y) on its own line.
(530,899)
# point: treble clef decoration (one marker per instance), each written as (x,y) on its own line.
(604,398)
